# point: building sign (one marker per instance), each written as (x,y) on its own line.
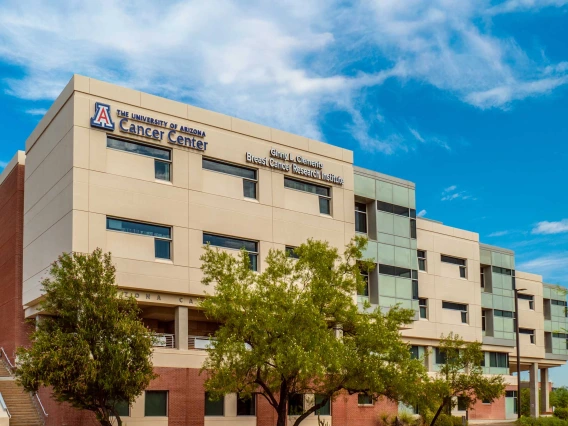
(296,164)
(149,127)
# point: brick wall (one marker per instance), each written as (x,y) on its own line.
(346,411)
(13,330)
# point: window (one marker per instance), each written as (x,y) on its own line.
(529,332)
(122,408)
(512,394)
(156,404)
(365,276)
(497,359)
(483,319)
(528,297)
(456,261)
(556,302)
(323,192)
(462,403)
(325,410)
(457,307)
(398,210)
(214,407)
(395,271)
(290,252)
(162,157)
(296,405)
(246,406)
(364,399)
(249,175)
(440,357)
(414,289)
(414,352)
(503,271)
(235,244)
(361,218)
(162,234)
(504,314)
(423,305)
(482,277)
(485,401)
(421,259)
(413,228)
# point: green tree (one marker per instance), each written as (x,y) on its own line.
(461,375)
(295,328)
(91,348)
(559,397)
(525,402)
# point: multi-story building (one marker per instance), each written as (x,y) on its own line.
(152,180)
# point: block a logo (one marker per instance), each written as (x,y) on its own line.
(102,118)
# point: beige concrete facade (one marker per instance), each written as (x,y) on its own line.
(75,181)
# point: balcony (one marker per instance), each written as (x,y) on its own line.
(199,342)
(164,340)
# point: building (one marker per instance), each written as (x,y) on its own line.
(151,180)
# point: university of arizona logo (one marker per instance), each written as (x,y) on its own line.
(102,117)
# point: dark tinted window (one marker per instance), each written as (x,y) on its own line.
(454,260)
(325,410)
(214,407)
(504,314)
(402,211)
(138,228)
(414,352)
(395,271)
(138,148)
(454,306)
(230,169)
(415,289)
(497,359)
(384,207)
(296,405)
(413,228)
(291,253)
(156,404)
(440,356)
(325,205)
(230,242)
(122,408)
(525,296)
(361,218)
(363,399)
(503,271)
(306,187)
(246,406)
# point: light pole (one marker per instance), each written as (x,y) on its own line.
(518,351)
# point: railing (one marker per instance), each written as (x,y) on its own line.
(10,366)
(3,405)
(199,342)
(39,407)
(162,340)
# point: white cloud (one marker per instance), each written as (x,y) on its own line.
(522,5)
(421,213)
(283,64)
(553,267)
(450,193)
(36,111)
(546,227)
(3,164)
(498,234)
(450,188)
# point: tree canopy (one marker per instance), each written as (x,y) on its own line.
(91,347)
(461,376)
(295,328)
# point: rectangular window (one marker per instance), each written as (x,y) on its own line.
(323,192)
(122,408)
(456,261)
(556,302)
(440,357)
(235,244)
(421,259)
(503,271)
(529,332)
(361,218)
(214,407)
(414,289)
(423,305)
(290,252)
(414,352)
(249,175)
(365,276)
(462,403)
(483,319)
(413,228)
(499,360)
(325,410)
(364,399)
(457,307)
(296,405)
(162,234)
(246,406)
(395,271)
(156,404)
(398,210)
(482,277)
(528,297)
(504,314)
(163,157)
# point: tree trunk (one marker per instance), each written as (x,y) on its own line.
(282,415)
(439,411)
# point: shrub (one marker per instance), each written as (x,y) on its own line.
(542,421)
(445,420)
(561,413)
(384,419)
(406,418)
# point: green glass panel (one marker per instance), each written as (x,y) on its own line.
(508,304)
(498,334)
(385,222)
(498,291)
(387,301)
(400,196)
(404,289)
(507,261)
(485,257)
(547,325)
(386,238)
(498,302)
(497,280)
(546,292)
(498,324)
(402,257)
(384,191)
(402,242)
(387,286)
(404,303)
(413,244)
(401,226)
(386,254)
(486,300)
(412,198)
(370,251)
(507,282)
(364,186)
(496,259)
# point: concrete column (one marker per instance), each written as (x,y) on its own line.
(533,386)
(430,357)
(544,394)
(181,327)
(338,331)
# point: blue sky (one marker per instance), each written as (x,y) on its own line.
(466,98)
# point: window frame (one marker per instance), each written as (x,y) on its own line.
(365,403)
(423,308)
(155,237)
(167,401)
(464,312)
(290,252)
(497,358)
(529,332)
(222,401)
(328,405)
(365,275)
(168,161)
(238,166)
(452,260)
(253,402)
(363,213)
(422,258)
(327,197)
(303,404)
(255,254)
